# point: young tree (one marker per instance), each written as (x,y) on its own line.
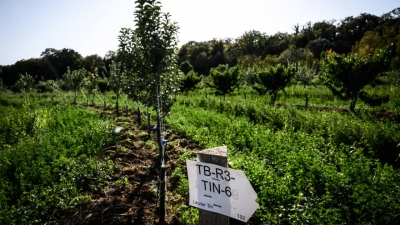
(90,82)
(25,83)
(189,81)
(149,52)
(272,79)
(346,76)
(116,79)
(73,80)
(304,74)
(224,80)
(47,86)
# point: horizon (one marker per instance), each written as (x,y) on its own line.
(92,27)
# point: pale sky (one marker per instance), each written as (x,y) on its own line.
(28,27)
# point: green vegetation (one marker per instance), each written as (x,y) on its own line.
(48,162)
(189,81)
(224,80)
(272,79)
(73,80)
(347,76)
(25,83)
(307,166)
(322,162)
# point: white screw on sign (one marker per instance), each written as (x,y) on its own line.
(221,190)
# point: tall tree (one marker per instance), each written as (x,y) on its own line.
(55,62)
(253,43)
(186,67)
(216,53)
(91,62)
(352,29)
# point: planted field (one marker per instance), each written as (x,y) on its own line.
(64,164)
(48,159)
(320,165)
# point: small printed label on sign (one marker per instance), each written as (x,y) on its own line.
(221,190)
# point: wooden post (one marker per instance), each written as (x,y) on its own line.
(116,106)
(139,120)
(148,125)
(217,156)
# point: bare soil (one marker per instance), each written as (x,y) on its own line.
(131,197)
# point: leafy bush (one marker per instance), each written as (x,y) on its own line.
(189,81)
(24,83)
(272,79)
(224,80)
(47,86)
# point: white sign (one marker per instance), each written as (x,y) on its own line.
(221,190)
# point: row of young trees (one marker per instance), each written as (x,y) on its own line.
(345,76)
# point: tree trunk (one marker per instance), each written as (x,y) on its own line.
(148,125)
(75,98)
(306,93)
(306,101)
(162,169)
(116,106)
(139,119)
(353,103)
(273,97)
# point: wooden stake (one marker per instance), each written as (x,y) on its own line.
(217,156)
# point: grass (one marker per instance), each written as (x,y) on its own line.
(317,166)
(48,162)
(322,164)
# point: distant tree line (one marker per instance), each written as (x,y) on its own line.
(53,63)
(360,35)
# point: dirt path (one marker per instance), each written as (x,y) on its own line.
(131,197)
